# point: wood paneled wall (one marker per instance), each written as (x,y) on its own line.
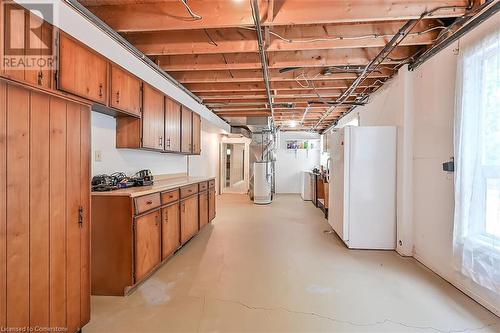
(44,184)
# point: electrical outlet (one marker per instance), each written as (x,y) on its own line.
(98,156)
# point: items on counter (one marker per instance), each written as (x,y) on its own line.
(118,180)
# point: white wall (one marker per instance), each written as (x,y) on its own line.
(207,164)
(421,105)
(434,96)
(290,163)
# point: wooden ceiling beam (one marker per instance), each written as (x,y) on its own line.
(242,76)
(326,93)
(308,37)
(172,15)
(217,88)
(280,60)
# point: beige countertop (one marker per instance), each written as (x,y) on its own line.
(158,186)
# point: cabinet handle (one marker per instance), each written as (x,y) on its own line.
(160,141)
(149,202)
(100,89)
(168,142)
(118,97)
(40,78)
(183,207)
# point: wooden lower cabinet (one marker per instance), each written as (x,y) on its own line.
(203,204)
(211,204)
(171,230)
(44,210)
(133,235)
(147,243)
(189,218)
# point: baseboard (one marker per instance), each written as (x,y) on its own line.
(491,307)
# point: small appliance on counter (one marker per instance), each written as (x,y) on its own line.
(119,180)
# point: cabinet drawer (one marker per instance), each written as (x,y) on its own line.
(186,191)
(147,202)
(211,183)
(170,196)
(203,186)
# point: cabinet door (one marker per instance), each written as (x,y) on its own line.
(14,39)
(186,130)
(153,121)
(211,204)
(39,45)
(125,91)
(196,134)
(147,244)
(203,198)
(189,218)
(81,71)
(171,231)
(172,125)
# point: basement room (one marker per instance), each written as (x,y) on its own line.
(250,166)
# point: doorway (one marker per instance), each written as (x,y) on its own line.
(234,166)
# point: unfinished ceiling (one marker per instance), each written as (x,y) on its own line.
(313,50)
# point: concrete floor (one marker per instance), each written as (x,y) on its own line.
(272,268)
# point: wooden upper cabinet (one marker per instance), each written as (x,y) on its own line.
(27,35)
(196,134)
(172,125)
(187,131)
(125,91)
(14,38)
(81,71)
(153,122)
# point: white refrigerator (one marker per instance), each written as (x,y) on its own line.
(362,201)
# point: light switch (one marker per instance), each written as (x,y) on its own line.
(98,156)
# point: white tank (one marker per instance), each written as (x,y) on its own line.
(262,183)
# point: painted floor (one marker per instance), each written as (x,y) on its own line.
(273,269)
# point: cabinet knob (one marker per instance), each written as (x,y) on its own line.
(100,90)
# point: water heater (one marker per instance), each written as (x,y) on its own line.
(262,177)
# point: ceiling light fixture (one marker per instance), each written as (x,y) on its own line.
(292,123)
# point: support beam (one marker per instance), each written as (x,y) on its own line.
(241,76)
(279,60)
(308,37)
(171,15)
(204,88)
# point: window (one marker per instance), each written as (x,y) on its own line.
(477,155)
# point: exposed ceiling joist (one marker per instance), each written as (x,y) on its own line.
(240,76)
(280,60)
(283,38)
(172,15)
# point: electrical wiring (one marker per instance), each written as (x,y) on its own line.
(195,16)
(333,38)
(391,45)
(369,36)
